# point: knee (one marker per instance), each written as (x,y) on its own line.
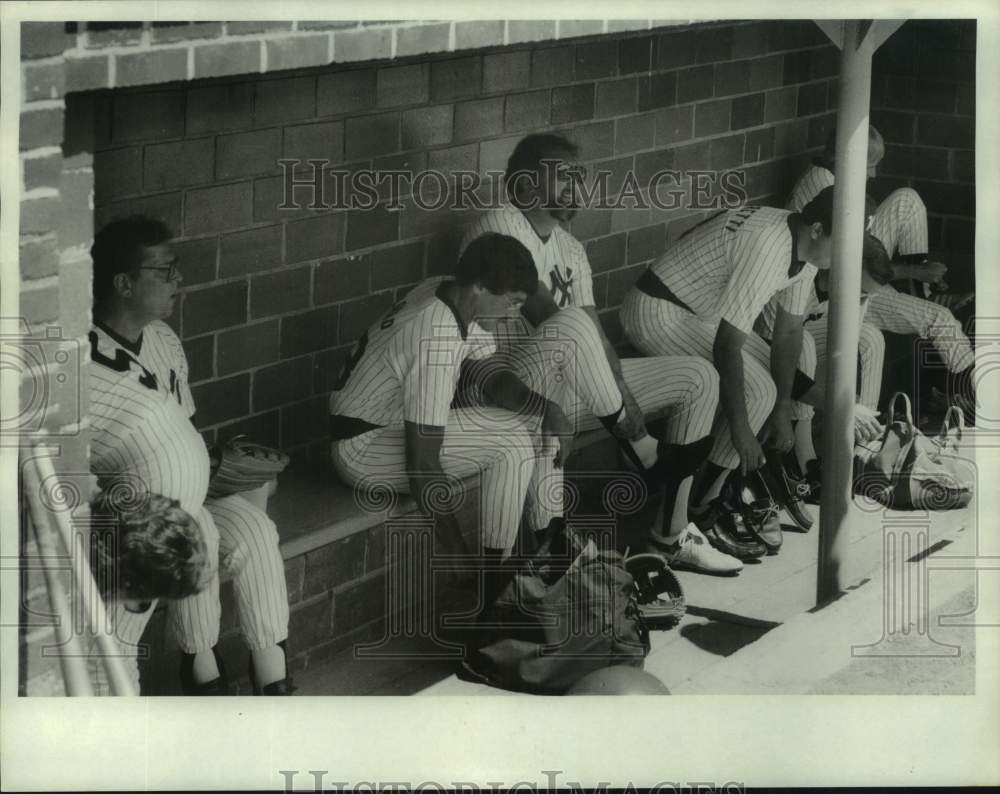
(704,380)
(907,198)
(765,393)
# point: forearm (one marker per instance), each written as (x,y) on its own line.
(785,351)
(728,360)
(505,390)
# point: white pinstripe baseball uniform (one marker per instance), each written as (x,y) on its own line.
(406,368)
(871,343)
(134,385)
(727,267)
(681,388)
(900,224)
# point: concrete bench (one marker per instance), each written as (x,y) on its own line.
(336,567)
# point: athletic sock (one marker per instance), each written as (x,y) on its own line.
(703,484)
(645,449)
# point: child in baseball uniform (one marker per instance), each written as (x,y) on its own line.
(141,409)
(542,180)
(144,547)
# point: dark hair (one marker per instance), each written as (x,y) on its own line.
(118,248)
(529,154)
(499,263)
(820,210)
(147,546)
(875,259)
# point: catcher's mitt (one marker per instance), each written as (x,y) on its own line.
(240,465)
(657,589)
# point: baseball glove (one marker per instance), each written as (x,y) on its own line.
(240,465)
(657,589)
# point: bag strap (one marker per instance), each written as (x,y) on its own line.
(959,421)
(891,415)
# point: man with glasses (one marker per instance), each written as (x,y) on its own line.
(542,182)
(140,414)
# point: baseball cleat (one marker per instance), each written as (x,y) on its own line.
(787,490)
(759,512)
(693,552)
(722,524)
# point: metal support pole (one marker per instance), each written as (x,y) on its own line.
(844,321)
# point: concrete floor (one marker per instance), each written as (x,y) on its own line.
(759,632)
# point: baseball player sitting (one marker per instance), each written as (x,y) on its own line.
(392,417)
(900,224)
(144,547)
(559,328)
(141,408)
(702,298)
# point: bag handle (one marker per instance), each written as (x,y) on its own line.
(959,422)
(891,415)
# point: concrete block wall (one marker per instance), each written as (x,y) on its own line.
(924,104)
(273,299)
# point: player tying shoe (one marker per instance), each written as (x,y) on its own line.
(702,297)
(141,408)
(882,307)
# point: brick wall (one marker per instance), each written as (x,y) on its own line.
(274,298)
(924,104)
(56,226)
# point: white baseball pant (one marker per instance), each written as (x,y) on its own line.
(871,357)
(500,448)
(564,360)
(660,328)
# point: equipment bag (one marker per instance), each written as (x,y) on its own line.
(565,611)
(906,470)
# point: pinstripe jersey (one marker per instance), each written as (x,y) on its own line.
(140,407)
(561,260)
(815,179)
(729,266)
(406,366)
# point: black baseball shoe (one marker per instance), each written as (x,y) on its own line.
(788,491)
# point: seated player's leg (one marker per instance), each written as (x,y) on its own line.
(900,223)
(194,622)
(488,442)
(871,358)
(893,311)
(249,555)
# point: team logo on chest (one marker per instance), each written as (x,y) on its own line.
(561,285)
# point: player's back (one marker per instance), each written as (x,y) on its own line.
(406,365)
(810,184)
(700,265)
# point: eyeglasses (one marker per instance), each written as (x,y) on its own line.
(173,273)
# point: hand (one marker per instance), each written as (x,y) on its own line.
(778,430)
(928,272)
(750,451)
(555,423)
(866,424)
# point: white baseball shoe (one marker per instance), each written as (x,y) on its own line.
(693,552)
